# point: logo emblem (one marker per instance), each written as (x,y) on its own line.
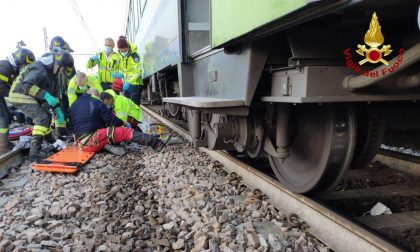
(58,57)
(374,39)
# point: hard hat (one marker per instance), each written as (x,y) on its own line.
(59,44)
(65,60)
(23,56)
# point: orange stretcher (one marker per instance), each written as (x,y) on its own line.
(68,160)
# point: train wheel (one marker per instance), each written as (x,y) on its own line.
(370,134)
(321,144)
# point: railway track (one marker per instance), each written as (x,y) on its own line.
(338,218)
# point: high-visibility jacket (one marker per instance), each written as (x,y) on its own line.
(33,82)
(8,74)
(124,107)
(73,91)
(106,66)
(130,66)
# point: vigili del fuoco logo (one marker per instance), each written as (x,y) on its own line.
(373,52)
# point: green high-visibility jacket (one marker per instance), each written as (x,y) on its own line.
(106,66)
(74,91)
(124,107)
(130,66)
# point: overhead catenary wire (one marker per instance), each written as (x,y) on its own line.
(83,22)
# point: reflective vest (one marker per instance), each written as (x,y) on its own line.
(106,66)
(124,107)
(130,66)
(73,91)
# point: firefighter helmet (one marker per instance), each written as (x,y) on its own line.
(23,56)
(64,59)
(59,44)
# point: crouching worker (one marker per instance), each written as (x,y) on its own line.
(79,84)
(94,126)
(35,93)
(124,108)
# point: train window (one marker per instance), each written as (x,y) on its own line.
(198,13)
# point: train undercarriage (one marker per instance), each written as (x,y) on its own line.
(300,100)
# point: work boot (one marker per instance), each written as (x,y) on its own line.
(142,138)
(4,143)
(159,144)
(116,150)
(148,140)
(35,151)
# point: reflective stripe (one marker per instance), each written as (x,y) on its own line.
(110,134)
(4,130)
(141,115)
(4,78)
(33,90)
(83,140)
(21,98)
(60,125)
(120,113)
(40,130)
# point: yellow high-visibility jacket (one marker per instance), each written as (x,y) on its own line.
(130,66)
(106,66)
(73,91)
(124,107)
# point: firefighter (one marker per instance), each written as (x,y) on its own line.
(79,84)
(124,108)
(35,93)
(96,127)
(130,67)
(58,44)
(9,70)
(108,64)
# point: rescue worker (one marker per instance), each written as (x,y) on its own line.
(98,126)
(130,67)
(124,108)
(79,84)
(9,70)
(108,64)
(34,92)
(58,44)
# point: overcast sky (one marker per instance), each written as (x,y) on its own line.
(25,19)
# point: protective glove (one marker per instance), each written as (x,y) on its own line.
(94,58)
(51,100)
(60,116)
(127,125)
(126,86)
(117,75)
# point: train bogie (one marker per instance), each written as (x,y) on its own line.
(306,83)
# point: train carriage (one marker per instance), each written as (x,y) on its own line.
(313,85)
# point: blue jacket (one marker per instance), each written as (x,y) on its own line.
(88,114)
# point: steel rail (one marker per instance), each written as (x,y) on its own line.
(334,230)
(9,159)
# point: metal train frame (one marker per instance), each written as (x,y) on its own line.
(284,79)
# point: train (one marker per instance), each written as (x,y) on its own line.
(314,86)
